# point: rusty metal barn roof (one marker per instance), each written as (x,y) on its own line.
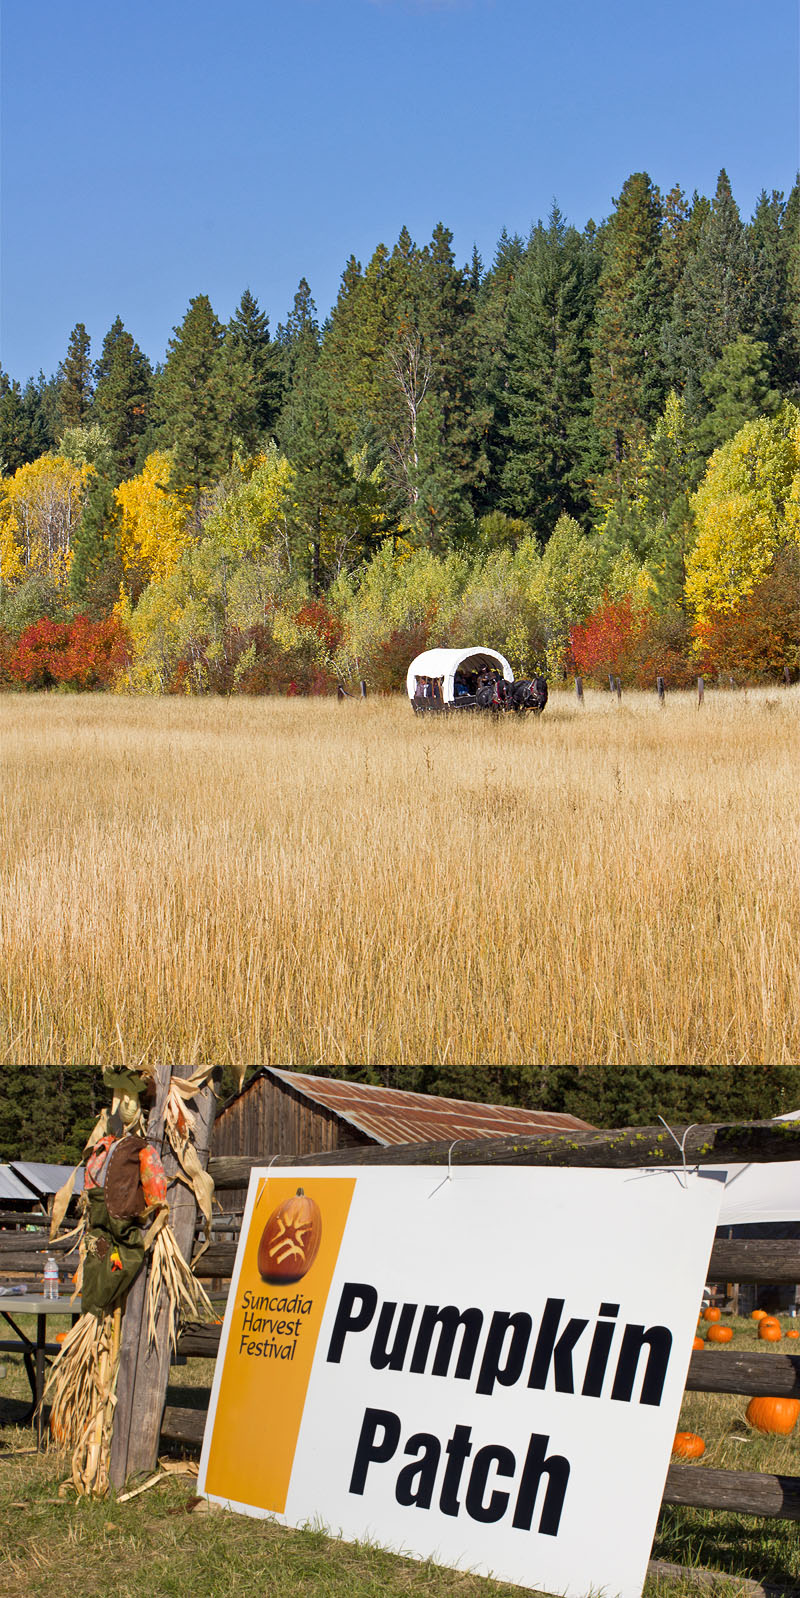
(391,1115)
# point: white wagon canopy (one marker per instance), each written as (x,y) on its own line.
(443,664)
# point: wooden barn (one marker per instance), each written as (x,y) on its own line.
(289,1112)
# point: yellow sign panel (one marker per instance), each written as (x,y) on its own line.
(281,1294)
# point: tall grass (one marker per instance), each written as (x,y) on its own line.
(313,882)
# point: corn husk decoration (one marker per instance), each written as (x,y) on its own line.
(125,1217)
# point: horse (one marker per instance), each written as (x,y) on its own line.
(530,694)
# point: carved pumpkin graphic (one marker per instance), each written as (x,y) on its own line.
(290,1240)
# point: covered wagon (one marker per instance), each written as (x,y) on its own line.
(470,679)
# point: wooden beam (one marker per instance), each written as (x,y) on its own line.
(690,1576)
(747,1492)
(748,1261)
(724,1144)
(762,1375)
(144,1364)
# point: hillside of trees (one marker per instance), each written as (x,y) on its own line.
(586,454)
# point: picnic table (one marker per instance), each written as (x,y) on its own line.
(35,1350)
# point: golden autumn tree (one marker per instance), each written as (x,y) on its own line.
(154,525)
(745,510)
(40,506)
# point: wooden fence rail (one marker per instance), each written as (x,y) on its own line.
(713,1144)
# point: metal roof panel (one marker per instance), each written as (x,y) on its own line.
(394,1115)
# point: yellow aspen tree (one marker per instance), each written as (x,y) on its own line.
(744,510)
(154,523)
(41,504)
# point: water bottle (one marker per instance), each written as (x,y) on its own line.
(50,1277)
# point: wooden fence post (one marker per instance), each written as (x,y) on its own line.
(660,691)
(579,689)
(363,689)
(618,687)
(700,691)
(787,676)
(144,1365)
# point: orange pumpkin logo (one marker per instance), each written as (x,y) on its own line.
(290,1240)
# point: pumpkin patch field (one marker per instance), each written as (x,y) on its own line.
(323,883)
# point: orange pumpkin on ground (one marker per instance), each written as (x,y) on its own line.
(792,1332)
(711,1313)
(688,1445)
(773,1414)
(699,1342)
(770,1330)
(719,1334)
(758,1315)
(290,1240)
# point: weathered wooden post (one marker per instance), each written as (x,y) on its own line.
(618,687)
(660,691)
(787,676)
(340,693)
(363,688)
(611,682)
(701,688)
(579,689)
(144,1364)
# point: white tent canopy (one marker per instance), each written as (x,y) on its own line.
(445,663)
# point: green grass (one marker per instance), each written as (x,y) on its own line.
(53,1546)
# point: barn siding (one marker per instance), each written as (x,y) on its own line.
(271,1118)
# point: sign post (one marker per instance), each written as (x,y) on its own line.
(485,1368)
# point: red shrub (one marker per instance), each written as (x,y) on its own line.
(608,642)
(77,654)
(635,645)
(320,619)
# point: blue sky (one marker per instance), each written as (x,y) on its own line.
(159,150)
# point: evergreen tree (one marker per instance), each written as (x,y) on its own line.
(75,380)
(737,390)
(123,396)
(773,307)
(193,401)
(324,489)
(675,237)
(450,466)
(627,372)
(48,1111)
(789,378)
(292,336)
(714,301)
(15,439)
(491,371)
(96,572)
(548,392)
(248,331)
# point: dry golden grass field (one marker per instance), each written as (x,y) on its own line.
(311,882)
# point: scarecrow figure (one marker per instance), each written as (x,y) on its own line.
(125,1218)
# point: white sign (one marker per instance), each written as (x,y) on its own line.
(484,1369)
